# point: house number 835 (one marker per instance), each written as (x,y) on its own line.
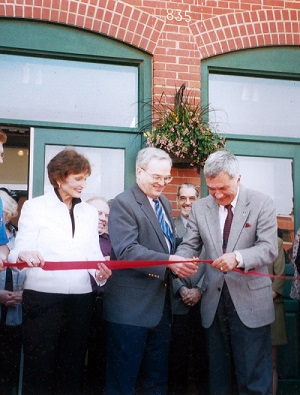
(178,15)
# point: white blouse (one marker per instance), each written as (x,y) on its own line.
(45,226)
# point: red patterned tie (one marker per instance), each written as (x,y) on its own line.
(227,226)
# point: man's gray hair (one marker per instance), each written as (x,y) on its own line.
(221,161)
(187,185)
(146,154)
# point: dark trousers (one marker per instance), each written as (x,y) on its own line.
(96,361)
(55,333)
(188,359)
(233,345)
(10,352)
(137,358)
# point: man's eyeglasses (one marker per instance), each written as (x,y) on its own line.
(158,178)
(184,198)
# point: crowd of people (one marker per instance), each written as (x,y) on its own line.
(177,327)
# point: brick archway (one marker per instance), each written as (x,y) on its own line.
(242,30)
(114,19)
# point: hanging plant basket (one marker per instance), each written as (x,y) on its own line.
(183,131)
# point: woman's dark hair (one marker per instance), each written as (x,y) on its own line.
(65,163)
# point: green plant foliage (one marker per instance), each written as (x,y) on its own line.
(183,130)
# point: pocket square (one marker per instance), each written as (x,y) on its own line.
(247,225)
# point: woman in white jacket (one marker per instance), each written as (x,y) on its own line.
(59,227)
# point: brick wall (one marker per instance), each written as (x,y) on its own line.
(179,34)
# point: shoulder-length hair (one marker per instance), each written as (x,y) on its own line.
(65,163)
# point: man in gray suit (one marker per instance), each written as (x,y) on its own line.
(236,308)
(137,301)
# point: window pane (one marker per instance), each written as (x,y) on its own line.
(107,178)
(272,176)
(64,91)
(255,106)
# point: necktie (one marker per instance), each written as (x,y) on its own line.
(8,287)
(227,226)
(163,223)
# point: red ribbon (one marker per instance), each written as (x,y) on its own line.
(75,265)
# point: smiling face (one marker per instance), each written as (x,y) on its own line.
(72,186)
(156,167)
(103,213)
(223,188)
(186,198)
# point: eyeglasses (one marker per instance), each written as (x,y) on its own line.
(185,198)
(158,178)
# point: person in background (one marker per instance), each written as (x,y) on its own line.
(11,286)
(188,357)
(295,260)
(102,207)
(237,227)
(137,301)
(96,360)
(278,328)
(187,194)
(10,210)
(3,236)
(57,304)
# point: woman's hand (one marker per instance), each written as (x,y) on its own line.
(103,273)
(32,258)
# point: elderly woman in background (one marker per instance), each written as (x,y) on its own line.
(57,304)
(10,211)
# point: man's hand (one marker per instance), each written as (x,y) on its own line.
(10,299)
(182,269)
(15,299)
(226,262)
(5,296)
(190,296)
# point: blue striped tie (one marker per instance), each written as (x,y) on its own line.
(163,223)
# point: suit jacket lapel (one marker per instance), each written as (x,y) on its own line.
(213,224)
(240,216)
(146,207)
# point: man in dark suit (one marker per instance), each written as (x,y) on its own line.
(188,365)
(137,301)
(237,309)
(187,193)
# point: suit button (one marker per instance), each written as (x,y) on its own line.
(219,289)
